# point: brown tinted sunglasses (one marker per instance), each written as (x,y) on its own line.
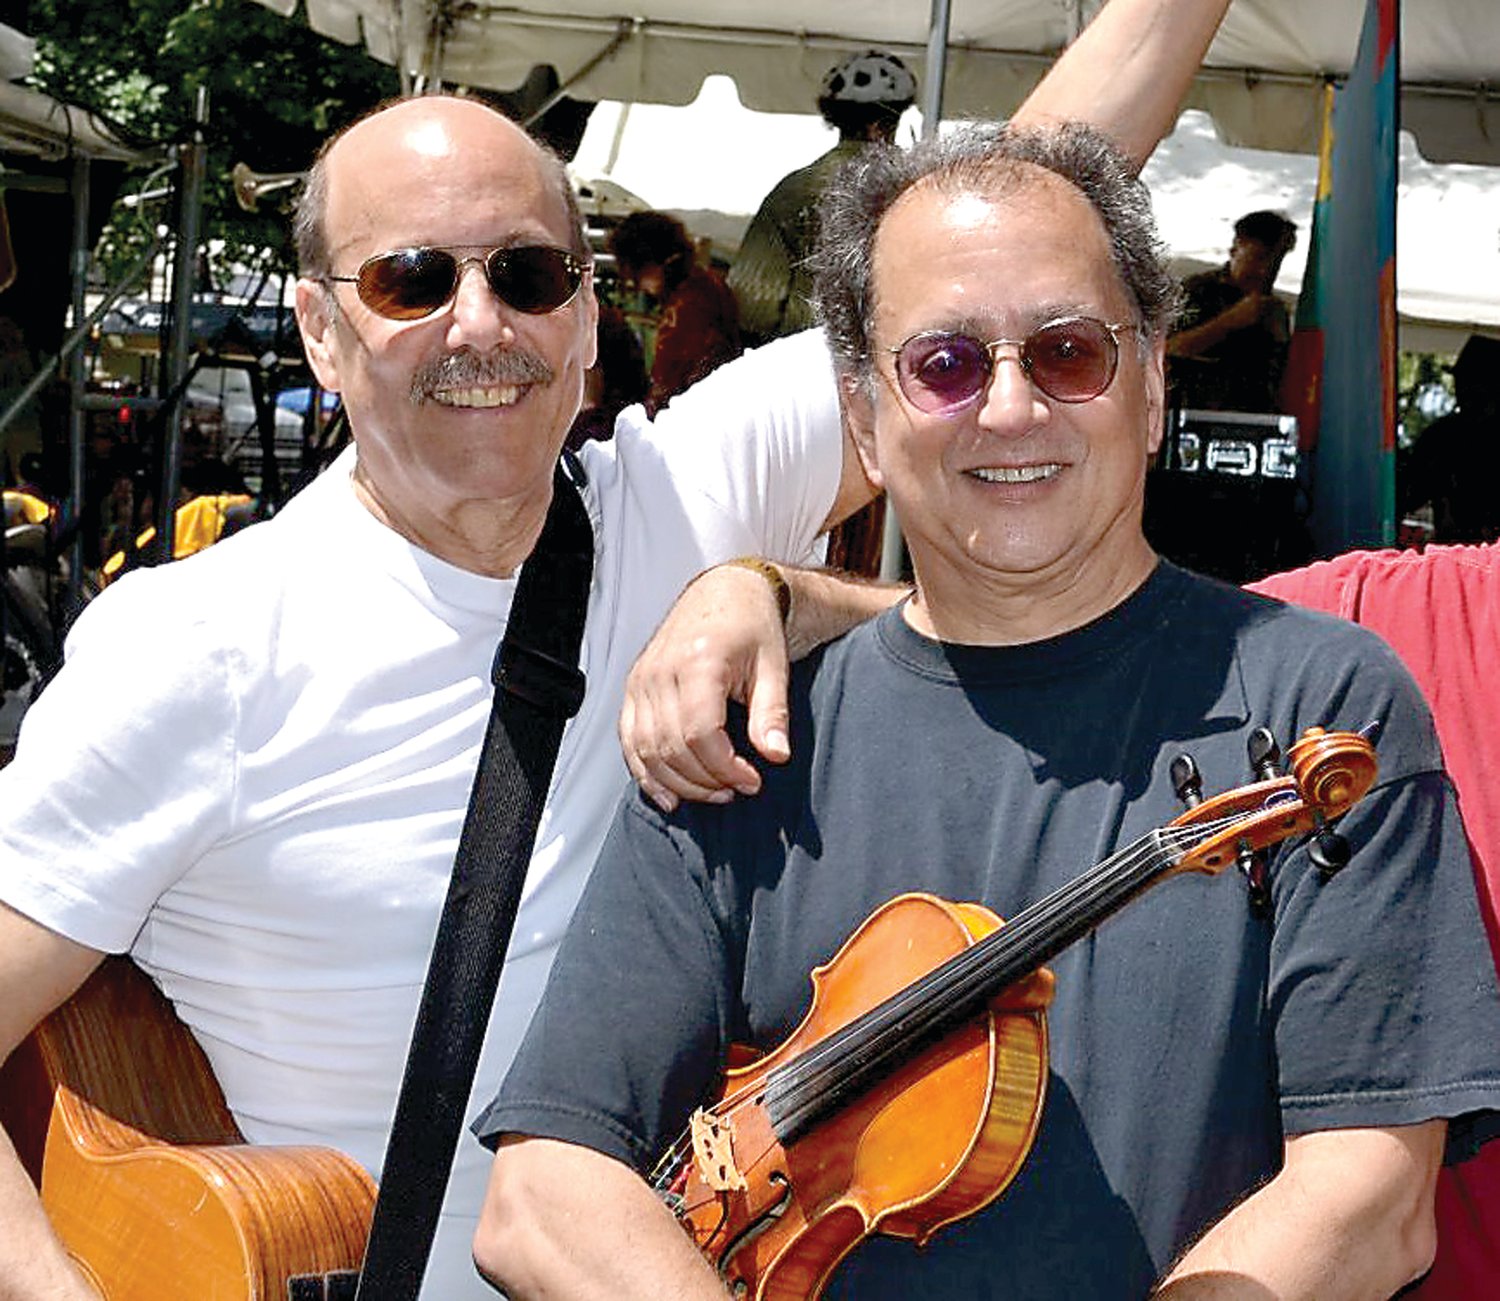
(407,284)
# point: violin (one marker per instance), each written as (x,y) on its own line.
(910,1094)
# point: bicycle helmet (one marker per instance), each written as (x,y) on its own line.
(872,77)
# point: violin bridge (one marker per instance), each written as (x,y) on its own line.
(713,1150)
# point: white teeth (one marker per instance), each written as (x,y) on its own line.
(1016,474)
(478,397)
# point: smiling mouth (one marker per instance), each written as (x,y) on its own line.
(1017,473)
(503,395)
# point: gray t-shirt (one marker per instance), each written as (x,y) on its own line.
(1188,1035)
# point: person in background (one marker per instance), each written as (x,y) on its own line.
(862,97)
(697,326)
(215,504)
(616,380)
(117,522)
(1455,465)
(29,502)
(1229,348)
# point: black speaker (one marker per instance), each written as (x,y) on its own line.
(1223,497)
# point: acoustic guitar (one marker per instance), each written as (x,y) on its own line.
(117,1117)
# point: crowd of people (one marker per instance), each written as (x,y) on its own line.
(1276,1081)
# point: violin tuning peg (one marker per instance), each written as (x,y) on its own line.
(1253,866)
(1264,753)
(1329,852)
(1187,781)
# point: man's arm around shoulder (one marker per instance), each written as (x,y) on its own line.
(726,639)
(1349,1218)
(561,1220)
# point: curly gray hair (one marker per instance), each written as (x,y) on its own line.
(983,159)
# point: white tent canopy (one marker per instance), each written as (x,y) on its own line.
(1260,80)
(36,125)
(712,163)
(715,161)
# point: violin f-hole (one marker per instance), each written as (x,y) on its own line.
(753,1230)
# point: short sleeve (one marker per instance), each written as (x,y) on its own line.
(123,771)
(616,1064)
(1381,988)
(762,438)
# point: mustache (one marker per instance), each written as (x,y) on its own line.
(469,369)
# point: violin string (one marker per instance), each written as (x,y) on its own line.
(804,1085)
(1102,886)
(1064,899)
(810,1089)
(808,1082)
(810,1068)
(677,1155)
(802,1082)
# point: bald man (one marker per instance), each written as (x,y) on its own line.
(251,773)
(300,712)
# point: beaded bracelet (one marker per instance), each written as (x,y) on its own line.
(773,576)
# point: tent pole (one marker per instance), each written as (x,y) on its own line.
(191,160)
(937,63)
(77,384)
(624,30)
(892,548)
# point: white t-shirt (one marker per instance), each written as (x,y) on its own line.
(252,771)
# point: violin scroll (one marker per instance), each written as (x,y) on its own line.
(1330,771)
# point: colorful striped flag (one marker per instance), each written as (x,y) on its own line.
(1302,381)
(1354,296)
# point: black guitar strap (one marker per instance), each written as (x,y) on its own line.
(538,687)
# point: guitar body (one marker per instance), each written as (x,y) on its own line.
(118,1118)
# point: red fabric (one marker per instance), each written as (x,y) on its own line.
(1440,610)
(698,332)
(7,250)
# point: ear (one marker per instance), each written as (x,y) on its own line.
(859,419)
(1155,379)
(589,301)
(316,320)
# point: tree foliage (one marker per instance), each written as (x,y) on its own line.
(1424,391)
(275,90)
